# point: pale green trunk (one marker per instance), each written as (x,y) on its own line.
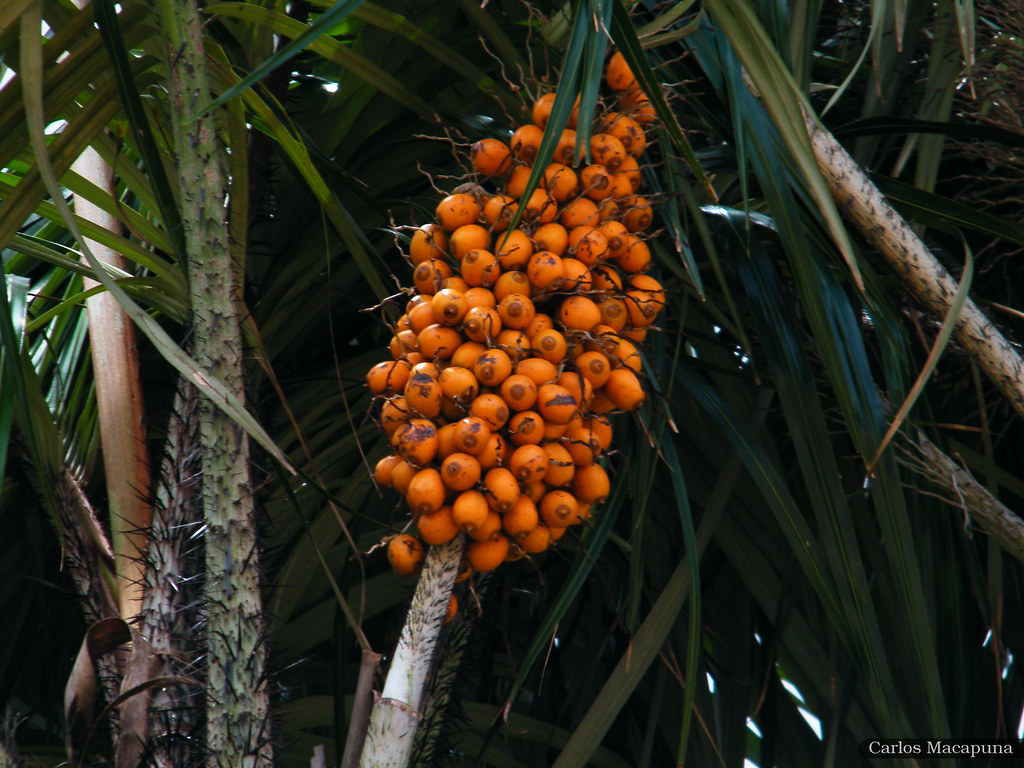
(237,700)
(397,714)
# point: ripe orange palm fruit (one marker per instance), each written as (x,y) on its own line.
(426,492)
(456,210)
(491,157)
(469,510)
(405,553)
(437,527)
(485,556)
(460,471)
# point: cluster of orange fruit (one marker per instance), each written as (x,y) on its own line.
(519,342)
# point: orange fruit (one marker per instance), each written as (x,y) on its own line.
(579,387)
(556,404)
(630,168)
(537,540)
(487,555)
(423,395)
(637,214)
(635,255)
(501,489)
(551,237)
(560,465)
(482,323)
(467,353)
(544,270)
(514,343)
(516,184)
(468,237)
(580,211)
(498,212)
(579,313)
(637,104)
(451,610)
(516,310)
(416,441)
(456,210)
(402,475)
(491,157)
(607,150)
(480,267)
(388,377)
(624,389)
(526,142)
(446,437)
(560,182)
(565,149)
(437,527)
(513,249)
(558,509)
(582,445)
(494,453)
(487,530)
(627,130)
(471,435)
(460,471)
(526,428)
(519,392)
(605,278)
(601,429)
(405,553)
(590,484)
(458,384)
(542,110)
(421,316)
(528,463)
(613,313)
(540,322)
(477,296)
(576,276)
(439,341)
(640,308)
(617,73)
(428,242)
(521,518)
(541,207)
(510,282)
(383,469)
(492,367)
(588,244)
(538,369)
(426,492)
(550,345)
(429,275)
(594,366)
(595,182)
(469,510)
(448,306)
(492,409)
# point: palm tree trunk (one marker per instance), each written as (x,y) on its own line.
(397,714)
(237,696)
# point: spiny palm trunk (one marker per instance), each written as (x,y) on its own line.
(237,697)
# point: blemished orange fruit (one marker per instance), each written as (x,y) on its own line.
(540,322)
(565,150)
(429,275)
(627,130)
(600,428)
(579,387)
(431,369)
(550,345)
(460,471)
(534,491)
(516,310)
(437,527)
(468,237)
(595,181)
(456,210)
(498,212)
(637,104)
(551,237)
(558,509)
(501,489)
(428,242)
(607,150)
(488,529)
(624,389)
(469,510)
(605,279)
(480,267)
(426,491)
(635,255)
(456,283)
(388,377)
(513,249)
(423,395)
(538,369)
(580,211)
(613,313)
(590,484)
(459,384)
(494,453)
(382,471)
(521,519)
(526,428)
(540,207)
(544,271)
(588,244)
(617,73)
(560,181)
(579,313)
(416,441)
(509,283)
(556,404)
(492,367)
(487,555)
(576,276)
(471,435)
(582,445)
(402,475)
(491,408)
(528,463)
(561,467)
(631,169)
(517,181)
(482,323)
(448,306)
(637,214)
(536,541)
(640,308)
(519,392)
(420,316)
(526,142)
(405,553)
(514,343)
(542,110)
(491,157)
(439,341)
